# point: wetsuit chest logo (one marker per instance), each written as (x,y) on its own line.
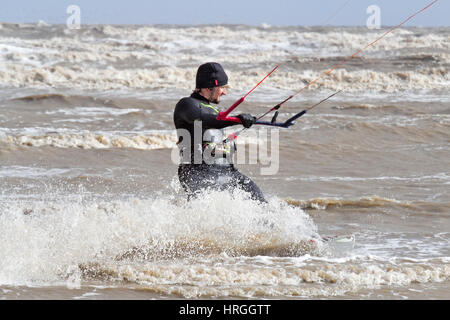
(210,107)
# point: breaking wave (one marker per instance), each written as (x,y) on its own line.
(94,141)
(57,235)
(180,78)
(166,57)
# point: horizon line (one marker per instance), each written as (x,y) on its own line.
(263,25)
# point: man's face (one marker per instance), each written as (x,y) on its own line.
(216,93)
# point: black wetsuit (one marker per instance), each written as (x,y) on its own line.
(193,116)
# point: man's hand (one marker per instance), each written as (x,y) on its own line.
(247,120)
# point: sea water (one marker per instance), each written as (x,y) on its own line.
(91,206)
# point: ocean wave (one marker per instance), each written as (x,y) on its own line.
(295,37)
(421,208)
(422,128)
(442,177)
(30,172)
(180,78)
(55,235)
(219,245)
(59,99)
(265,280)
(151,57)
(93,141)
(107,43)
(364,202)
(367,106)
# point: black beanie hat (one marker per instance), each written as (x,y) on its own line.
(209,75)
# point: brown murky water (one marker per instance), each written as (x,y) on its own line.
(90,204)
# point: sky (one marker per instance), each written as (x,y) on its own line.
(250,12)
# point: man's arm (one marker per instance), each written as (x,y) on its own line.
(188,111)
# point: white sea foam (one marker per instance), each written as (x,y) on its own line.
(91,111)
(143,242)
(56,235)
(442,177)
(94,141)
(27,172)
(152,58)
(178,78)
(235,278)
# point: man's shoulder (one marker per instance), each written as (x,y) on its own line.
(187,107)
(188,101)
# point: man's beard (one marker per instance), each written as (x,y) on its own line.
(214,100)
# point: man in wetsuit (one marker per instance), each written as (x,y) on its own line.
(206,155)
